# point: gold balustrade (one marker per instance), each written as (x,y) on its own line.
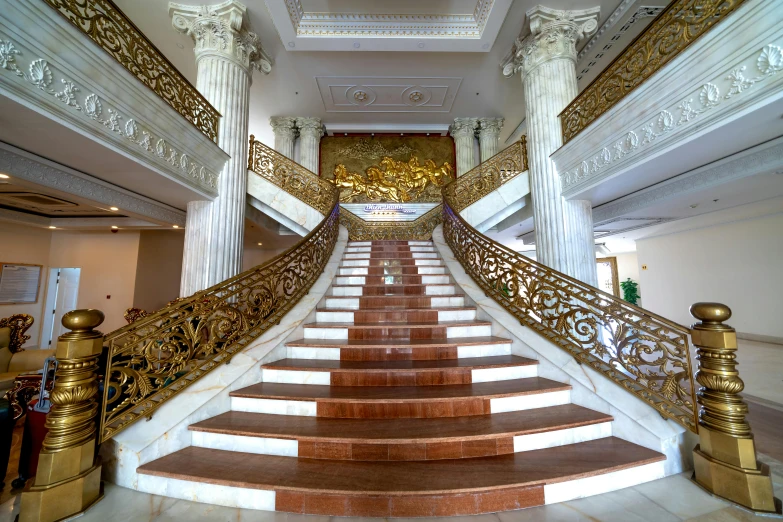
(672,31)
(291,177)
(420,229)
(112,31)
(487,176)
(642,352)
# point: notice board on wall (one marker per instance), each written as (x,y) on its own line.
(19,283)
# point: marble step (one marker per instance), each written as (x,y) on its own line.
(383,402)
(401,488)
(411,330)
(385,302)
(401,439)
(391,270)
(397,315)
(397,350)
(391,255)
(399,373)
(392,279)
(389,242)
(391,262)
(389,248)
(409,289)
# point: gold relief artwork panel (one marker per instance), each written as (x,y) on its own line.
(377,169)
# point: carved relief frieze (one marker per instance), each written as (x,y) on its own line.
(43,75)
(711,95)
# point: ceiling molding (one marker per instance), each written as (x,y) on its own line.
(762,159)
(335,129)
(628,224)
(40,171)
(365,94)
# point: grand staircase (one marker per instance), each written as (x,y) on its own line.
(399,402)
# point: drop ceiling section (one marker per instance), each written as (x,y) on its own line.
(373,94)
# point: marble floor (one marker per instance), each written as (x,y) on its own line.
(671,499)
(761,367)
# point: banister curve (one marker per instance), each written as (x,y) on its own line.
(154,358)
(646,354)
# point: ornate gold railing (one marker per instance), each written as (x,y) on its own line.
(160,354)
(642,352)
(488,176)
(291,176)
(107,26)
(420,229)
(672,31)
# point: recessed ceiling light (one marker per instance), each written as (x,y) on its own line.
(115,227)
(176,226)
(180,46)
(4,176)
(260,244)
(715,200)
(52,226)
(485,46)
(113,209)
(421,45)
(356,45)
(291,45)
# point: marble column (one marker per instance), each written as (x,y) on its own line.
(547,62)
(226,55)
(310,132)
(284,128)
(463,130)
(489,136)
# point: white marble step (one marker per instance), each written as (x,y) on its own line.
(314,331)
(363,271)
(369,243)
(391,255)
(357,249)
(468,314)
(360,280)
(366,262)
(352,303)
(358,290)
(333,354)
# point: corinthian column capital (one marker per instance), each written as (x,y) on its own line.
(310,127)
(490,127)
(283,126)
(221,30)
(463,127)
(553,34)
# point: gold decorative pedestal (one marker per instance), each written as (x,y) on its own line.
(725,458)
(68,479)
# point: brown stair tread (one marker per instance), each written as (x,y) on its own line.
(319,365)
(406,430)
(398,343)
(401,324)
(323,393)
(545,466)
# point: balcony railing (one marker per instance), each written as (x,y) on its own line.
(111,30)
(672,31)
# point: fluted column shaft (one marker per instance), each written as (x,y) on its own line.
(489,136)
(226,55)
(547,58)
(310,132)
(285,135)
(463,130)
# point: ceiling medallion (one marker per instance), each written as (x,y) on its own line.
(360,96)
(416,96)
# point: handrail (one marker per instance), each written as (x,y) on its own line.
(419,229)
(646,354)
(154,358)
(488,176)
(106,25)
(290,176)
(672,31)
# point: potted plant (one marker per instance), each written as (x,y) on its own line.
(630,291)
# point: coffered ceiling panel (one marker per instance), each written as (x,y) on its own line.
(373,94)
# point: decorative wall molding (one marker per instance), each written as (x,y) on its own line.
(387,94)
(389,25)
(32,168)
(762,159)
(714,96)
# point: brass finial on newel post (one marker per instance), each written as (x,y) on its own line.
(68,479)
(725,458)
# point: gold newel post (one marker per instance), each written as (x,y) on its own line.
(68,479)
(725,458)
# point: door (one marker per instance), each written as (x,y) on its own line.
(61,297)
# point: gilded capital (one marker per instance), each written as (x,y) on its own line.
(283,126)
(490,127)
(310,127)
(463,127)
(221,30)
(553,34)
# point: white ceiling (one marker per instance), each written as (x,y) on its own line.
(291,88)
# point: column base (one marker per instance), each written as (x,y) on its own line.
(751,488)
(63,499)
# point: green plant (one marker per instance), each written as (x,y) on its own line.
(630,291)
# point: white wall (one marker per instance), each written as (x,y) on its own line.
(23,244)
(738,262)
(628,266)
